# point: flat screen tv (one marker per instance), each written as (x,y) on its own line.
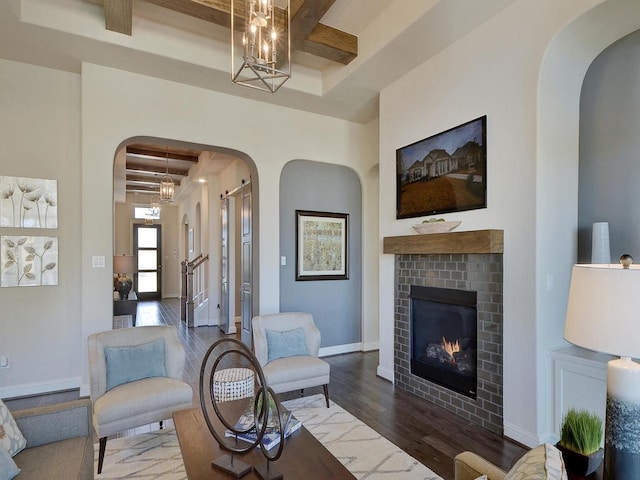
(443,173)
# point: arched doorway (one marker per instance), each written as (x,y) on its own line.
(191,223)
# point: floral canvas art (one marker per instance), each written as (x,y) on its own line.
(28,202)
(29,261)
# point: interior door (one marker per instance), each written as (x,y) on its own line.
(246,291)
(224,265)
(147,246)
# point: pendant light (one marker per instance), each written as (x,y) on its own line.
(167,187)
(266,44)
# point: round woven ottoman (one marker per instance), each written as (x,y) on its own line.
(233,384)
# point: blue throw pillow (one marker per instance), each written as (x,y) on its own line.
(128,364)
(288,343)
(8,468)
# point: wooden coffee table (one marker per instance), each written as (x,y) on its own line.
(303,456)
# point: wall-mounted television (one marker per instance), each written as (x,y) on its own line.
(446,172)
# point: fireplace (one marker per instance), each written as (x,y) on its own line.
(475,272)
(444,337)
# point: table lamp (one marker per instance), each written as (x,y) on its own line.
(122,265)
(603,314)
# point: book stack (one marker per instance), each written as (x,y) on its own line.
(271,436)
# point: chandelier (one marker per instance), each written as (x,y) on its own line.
(266,44)
(167,187)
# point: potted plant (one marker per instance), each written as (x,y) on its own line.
(580,439)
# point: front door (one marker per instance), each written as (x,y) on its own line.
(147,246)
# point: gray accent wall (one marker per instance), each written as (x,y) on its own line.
(609,173)
(336,305)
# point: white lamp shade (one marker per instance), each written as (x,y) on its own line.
(603,313)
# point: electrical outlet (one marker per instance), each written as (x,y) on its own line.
(4,361)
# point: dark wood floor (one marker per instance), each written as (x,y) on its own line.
(427,432)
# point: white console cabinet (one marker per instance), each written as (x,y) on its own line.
(579,380)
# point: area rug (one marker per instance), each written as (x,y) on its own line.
(365,453)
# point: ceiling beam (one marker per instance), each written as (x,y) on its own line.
(306,16)
(151,170)
(160,153)
(332,44)
(118,15)
(307,36)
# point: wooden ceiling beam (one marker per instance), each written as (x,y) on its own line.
(306,16)
(332,44)
(118,15)
(157,154)
(152,170)
(307,36)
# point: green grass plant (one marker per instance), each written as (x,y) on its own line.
(581,431)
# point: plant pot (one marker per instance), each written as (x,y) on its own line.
(579,464)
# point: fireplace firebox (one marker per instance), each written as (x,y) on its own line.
(444,337)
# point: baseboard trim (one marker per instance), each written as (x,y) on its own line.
(385,373)
(521,436)
(339,349)
(368,347)
(28,389)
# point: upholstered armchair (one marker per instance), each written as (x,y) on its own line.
(287,346)
(135,379)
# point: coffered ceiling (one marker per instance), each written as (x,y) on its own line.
(344,53)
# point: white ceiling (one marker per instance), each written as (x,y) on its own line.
(393,36)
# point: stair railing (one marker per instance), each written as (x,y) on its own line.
(194,291)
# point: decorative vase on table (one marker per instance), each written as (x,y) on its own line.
(123,285)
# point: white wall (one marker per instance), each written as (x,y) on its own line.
(40,138)
(495,70)
(117,105)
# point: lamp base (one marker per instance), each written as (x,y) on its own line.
(123,285)
(622,426)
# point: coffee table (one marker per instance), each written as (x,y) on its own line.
(303,455)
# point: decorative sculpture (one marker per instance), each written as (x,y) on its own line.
(220,354)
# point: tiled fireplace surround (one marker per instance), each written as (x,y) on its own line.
(458,260)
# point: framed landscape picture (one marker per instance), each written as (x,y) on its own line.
(443,173)
(321,245)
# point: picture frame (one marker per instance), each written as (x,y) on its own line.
(443,173)
(28,202)
(322,245)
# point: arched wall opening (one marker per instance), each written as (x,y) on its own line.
(562,73)
(191,224)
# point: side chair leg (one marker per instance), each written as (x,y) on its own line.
(103,446)
(160,424)
(326,393)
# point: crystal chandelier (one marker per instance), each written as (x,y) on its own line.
(167,187)
(266,44)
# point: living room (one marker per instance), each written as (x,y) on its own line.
(67,124)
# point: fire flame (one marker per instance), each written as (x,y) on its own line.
(451,348)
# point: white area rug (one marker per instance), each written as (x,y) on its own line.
(365,453)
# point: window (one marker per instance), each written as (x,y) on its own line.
(146,212)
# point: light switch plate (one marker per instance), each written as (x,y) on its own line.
(97,261)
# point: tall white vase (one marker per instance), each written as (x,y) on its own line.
(600,250)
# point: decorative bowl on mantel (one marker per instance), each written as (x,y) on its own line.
(435,227)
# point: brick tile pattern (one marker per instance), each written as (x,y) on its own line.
(477,272)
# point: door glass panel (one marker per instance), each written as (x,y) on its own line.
(147,281)
(147,238)
(147,259)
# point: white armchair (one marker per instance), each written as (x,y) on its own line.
(135,379)
(287,346)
